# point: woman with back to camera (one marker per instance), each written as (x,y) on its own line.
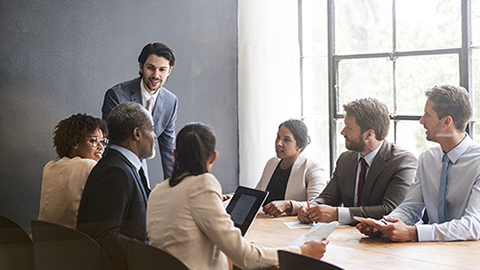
(185,216)
(79,141)
(290,177)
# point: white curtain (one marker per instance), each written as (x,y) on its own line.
(268,79)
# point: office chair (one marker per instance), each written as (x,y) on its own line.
(58,248)
(293,261)
(16,248)
(141,256)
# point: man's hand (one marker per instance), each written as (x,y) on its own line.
(302,215)
(398,231)
(322,213)
(368,230)
(315,248)
(277,208)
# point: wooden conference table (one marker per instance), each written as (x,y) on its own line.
(350,249)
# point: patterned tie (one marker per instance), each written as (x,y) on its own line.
(442,190)
(149,104)
(361,180)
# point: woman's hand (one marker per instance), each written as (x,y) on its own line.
(315,248)
(226,196)
(277,208)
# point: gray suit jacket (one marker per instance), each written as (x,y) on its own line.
(164,115)
(388,179)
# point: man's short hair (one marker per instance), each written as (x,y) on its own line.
(370,113)
(451,100)
(160,50)
(124,118)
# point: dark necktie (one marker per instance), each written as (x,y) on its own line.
(144,180)
(442,190)
(361,180)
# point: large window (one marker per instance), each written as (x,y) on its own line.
(391,50)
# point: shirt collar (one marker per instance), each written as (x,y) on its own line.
(370,156)
(128,155)
(145,94)
(458,150)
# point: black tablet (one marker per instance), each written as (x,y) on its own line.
(244,206)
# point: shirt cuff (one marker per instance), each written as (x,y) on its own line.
(296,206)
(344,215)
(424,232)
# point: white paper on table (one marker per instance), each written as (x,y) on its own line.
(317,232)
(298,225)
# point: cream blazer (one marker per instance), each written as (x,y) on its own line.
(189,222)
(63,182)
(307,180)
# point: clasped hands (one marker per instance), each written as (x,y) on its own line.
(318,213)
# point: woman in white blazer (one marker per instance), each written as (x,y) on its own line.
(290,177)
(185,216)
(79,141)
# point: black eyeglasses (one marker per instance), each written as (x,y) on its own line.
(96,141)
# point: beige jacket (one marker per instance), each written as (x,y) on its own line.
(307,180)
(62,186)
(189,222)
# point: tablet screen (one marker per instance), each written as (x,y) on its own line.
(244,206)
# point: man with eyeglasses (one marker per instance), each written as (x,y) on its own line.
(156,62)
(113,203)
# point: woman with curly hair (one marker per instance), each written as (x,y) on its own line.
(79,141)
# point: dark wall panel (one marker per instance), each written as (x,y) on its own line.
(59,56)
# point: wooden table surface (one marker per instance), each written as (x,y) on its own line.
(350,249)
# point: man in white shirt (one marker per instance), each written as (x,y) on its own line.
(447,181)
(370,179)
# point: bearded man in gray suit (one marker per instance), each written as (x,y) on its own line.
(370,179)
(156,63)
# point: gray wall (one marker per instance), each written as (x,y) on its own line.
(59,56)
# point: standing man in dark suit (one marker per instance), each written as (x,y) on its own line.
(156,63)
(114,200)
(370,179)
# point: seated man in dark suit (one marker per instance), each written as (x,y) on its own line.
(114,200)
(370,179)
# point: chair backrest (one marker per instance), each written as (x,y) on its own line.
(16,249)
(294,261)
(141,256)
(57,247)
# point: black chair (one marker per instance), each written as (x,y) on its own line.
(16,249)
(58,248)
(294,261)
(140,256)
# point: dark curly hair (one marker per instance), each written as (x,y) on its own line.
(70,131)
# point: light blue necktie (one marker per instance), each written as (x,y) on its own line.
(442,190)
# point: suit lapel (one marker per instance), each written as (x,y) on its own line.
(351,179)
(157,110)
(139,183)
(138,180)
(378,165)
(136,92)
